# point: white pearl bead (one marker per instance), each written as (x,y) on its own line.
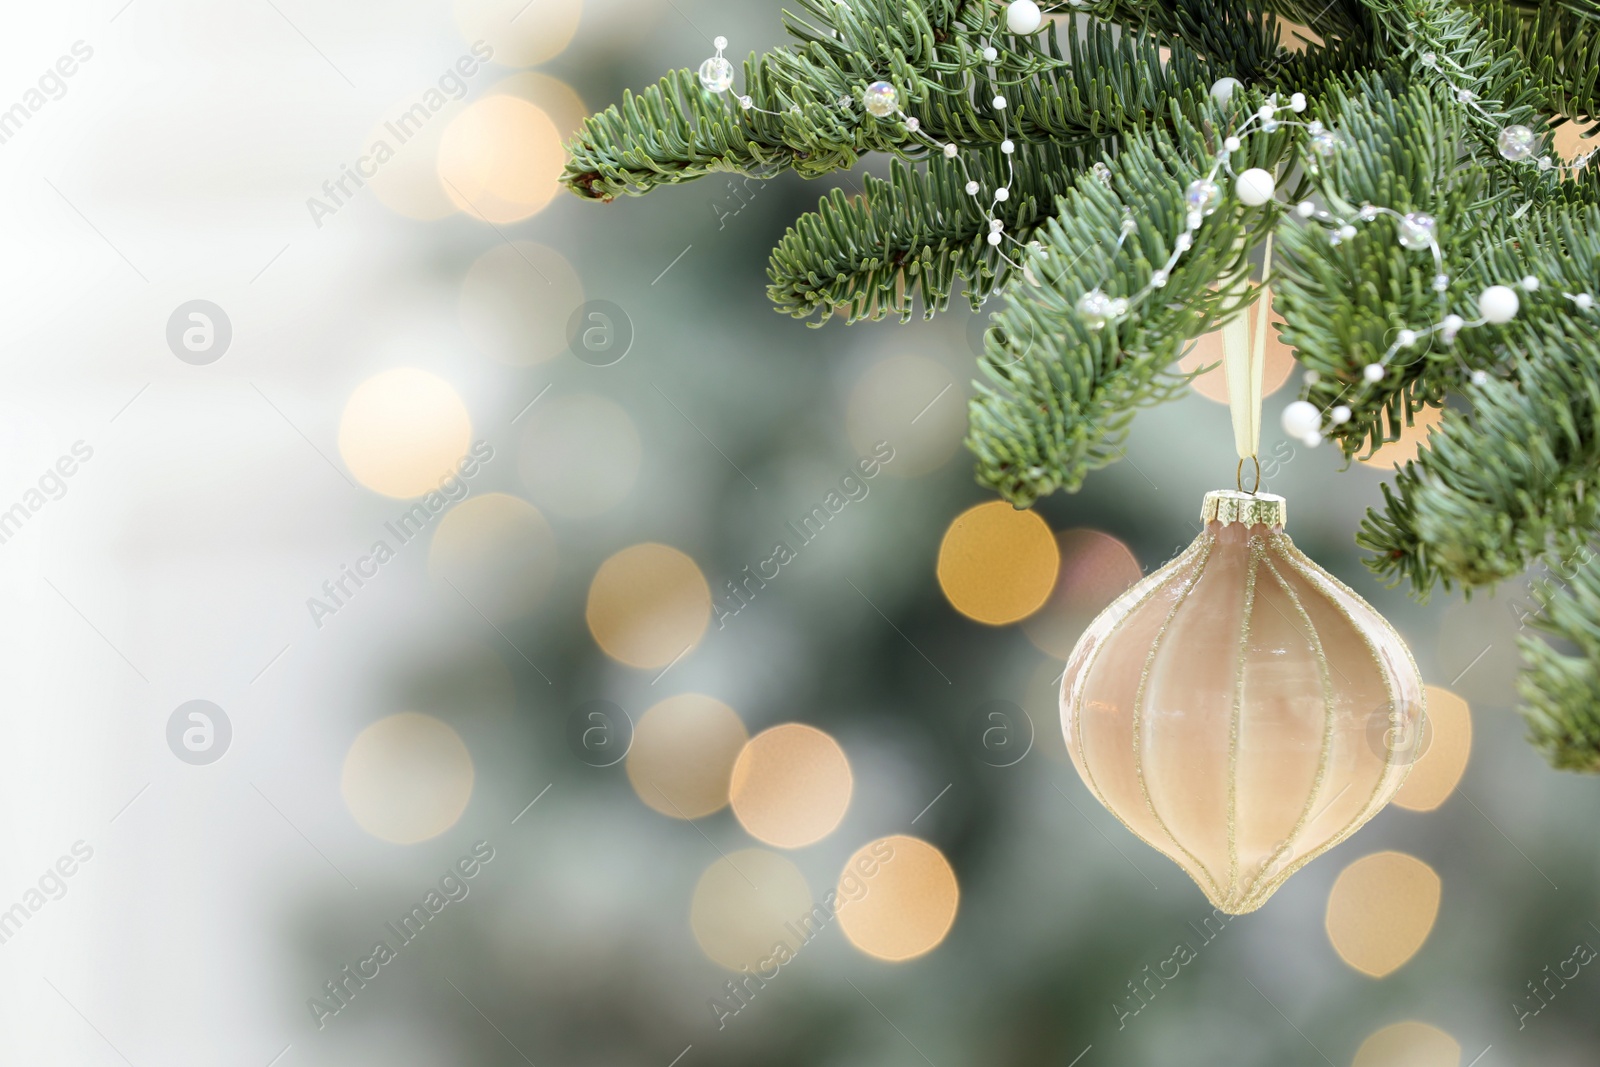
(1301,418)
(1340,414)
(1407,338)
(719,43)
(1530,284)
(1000,103)
(1007,147)
(972,188)
(1584,301)
(1311,440)
(1002,193)
(1222,89)
(1372,372)
(1298,102)
(1480,377)
(950,151)
(1232,144)
(1312,377)
(1254,187)
(1023,16)
(1498,304)
(991,54)
(1305,209)
(994,238)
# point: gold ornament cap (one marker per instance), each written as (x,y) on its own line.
(1251,509)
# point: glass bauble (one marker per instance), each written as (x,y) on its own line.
(1241,710)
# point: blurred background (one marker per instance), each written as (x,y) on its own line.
(384,534)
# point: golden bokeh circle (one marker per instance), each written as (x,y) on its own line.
(791,785)
(897,898)
(403,432)
(516,300)
(579,455)
(523,33)
(407,778)
(1096,568)
(553,96)
(1278,361)
(1439,769)
(683,752)
(912,405)
(1570,142)
(997,564)
(1408,1044)
(1381,910)
(497,552)
(1412,438)
(407,138)
(747,908)
(648,605)
(500,159)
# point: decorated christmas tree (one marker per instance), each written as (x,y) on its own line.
(1128,176)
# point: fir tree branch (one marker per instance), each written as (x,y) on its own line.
(910,237)
(1561,47)
(1512,480)
(1057,395)
(1344,303)
(1561,690)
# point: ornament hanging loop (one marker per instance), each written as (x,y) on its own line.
(1238,476)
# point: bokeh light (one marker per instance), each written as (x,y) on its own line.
(1569,142)
(579,455)
(648,605)
(897,898)
(1438,770)
(516,300)
(407,778)
(403,432)
(1380,911)
(683,753)
(913,403)
(498,552)
(1276,365)
(553,96)
(1096,568)
(998,564)
(1408,1044)
(523,33)
(745,905)
(791,785)
(407,182)
(1412,437)
(500,159)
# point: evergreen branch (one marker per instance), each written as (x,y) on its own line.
(1344,301)
(1074,89)
(1058,394)
(1560,45)
(910,237)
(1561,690)
(1512,480)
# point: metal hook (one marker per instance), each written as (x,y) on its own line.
(1238,476)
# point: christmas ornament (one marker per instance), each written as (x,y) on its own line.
(716,73)
(1023,16)
(880,99)
(1254,187)
(1239,709)
(1416,231)
(1498,304)
(1517,143)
